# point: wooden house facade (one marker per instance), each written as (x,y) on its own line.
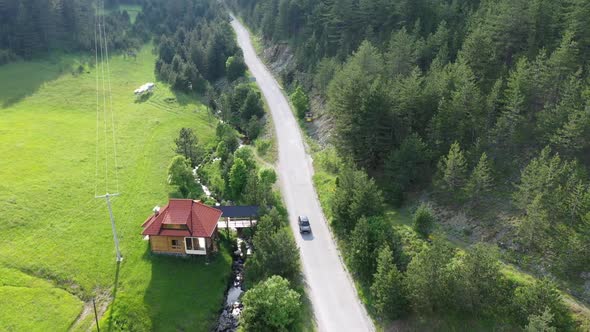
(183,227)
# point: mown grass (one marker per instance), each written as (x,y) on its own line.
(24,295)
(56,234)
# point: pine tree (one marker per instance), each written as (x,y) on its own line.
(402,54)
(406,166)
(452,170)
(479,285)
(427,283)
(578,202)
(356,196)
(540,323)
(578,20)
(535,298)
(387,289)
(359,103)
(481,181)
(533,227)
(572,138)
(360,257)
(187,144)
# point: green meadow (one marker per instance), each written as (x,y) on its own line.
(56,244)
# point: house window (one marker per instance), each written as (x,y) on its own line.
(192,243)
(176,244)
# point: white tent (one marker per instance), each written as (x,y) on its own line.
(148,87)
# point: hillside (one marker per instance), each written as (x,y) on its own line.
(479,109)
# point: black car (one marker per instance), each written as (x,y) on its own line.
(304,226)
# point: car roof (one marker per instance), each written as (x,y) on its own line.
(303,218)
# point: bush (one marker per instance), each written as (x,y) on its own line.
(263,146)
(275,253)
(300,102)
(181,175)
(270,306)
(329,160)
(423,222)
(235,67)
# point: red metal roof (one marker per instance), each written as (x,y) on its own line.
(200,219)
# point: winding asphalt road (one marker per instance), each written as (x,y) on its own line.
(335,303)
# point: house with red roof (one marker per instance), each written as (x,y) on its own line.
(183,227)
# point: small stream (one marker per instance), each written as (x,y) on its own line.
(205,188)
(230,316)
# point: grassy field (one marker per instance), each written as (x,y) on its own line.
(56,245)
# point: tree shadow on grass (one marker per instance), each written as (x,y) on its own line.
(185,293)
(183,98)
(143,98)
(23,78)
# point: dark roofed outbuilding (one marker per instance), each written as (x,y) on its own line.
(239,211)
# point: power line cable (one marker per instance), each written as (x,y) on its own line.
(111,104)
(97,99)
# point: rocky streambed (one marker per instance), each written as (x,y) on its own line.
(230,316)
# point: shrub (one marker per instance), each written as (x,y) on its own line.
(300,102)
(423,222)
(275,253)
(235,67)
(181,175)
(270,306)
(263,146)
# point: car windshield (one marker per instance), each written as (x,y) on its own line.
(304,222)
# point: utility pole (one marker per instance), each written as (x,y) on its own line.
(108,196)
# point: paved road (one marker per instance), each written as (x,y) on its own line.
(335,302)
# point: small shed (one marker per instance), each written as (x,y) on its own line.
(238,216)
